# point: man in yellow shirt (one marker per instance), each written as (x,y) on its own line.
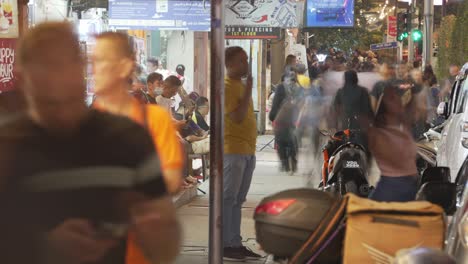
(240,136)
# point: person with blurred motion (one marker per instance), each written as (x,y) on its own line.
(138,87)
(352,104)
(240,136)
(387,72)
(283,114)
(113,62)
(302,78)
(59,136)
(432,93)
(448,83)
(392,145)
(289,65)
(152,65)
(154,86)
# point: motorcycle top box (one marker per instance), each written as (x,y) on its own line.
(296,224)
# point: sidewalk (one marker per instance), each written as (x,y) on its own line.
(194,216)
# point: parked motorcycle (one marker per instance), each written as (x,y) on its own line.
(345,167)
(427,149)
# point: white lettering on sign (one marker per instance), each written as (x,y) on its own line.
(351,164)
(7,59)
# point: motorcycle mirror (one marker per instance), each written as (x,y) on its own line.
(325,133)
(443,194)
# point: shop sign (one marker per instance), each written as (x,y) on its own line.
(191,15)
(241,32)
(266,13)
(9,19)
(391,28)
(7,63)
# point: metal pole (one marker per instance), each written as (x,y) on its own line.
(217,132)
(399,49)
(428,27)
(410,39)
(263,88)
(444,5)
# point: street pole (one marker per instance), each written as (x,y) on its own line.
(399,49)
(427,35)
(410,39)
(263,87)
(217,132)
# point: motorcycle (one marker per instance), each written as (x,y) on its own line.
(427,149)
(345,167)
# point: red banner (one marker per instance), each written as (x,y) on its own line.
(391,28)
(7,64)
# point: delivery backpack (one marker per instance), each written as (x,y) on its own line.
(301,225)
(376,231)
(308,226)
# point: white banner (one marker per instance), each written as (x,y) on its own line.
(267,13)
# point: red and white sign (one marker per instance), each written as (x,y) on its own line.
(391,28)
(7,64)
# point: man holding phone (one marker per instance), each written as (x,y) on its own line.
(240,136)
(74,179)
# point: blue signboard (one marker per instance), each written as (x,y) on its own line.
(191,15)
(388,45)
(330,13)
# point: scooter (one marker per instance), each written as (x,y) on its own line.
(345,167)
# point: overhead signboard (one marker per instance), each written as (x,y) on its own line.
(388,45)
(243,32)
(266,13)
(330,13)
(191,15)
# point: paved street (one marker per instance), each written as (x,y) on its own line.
(267,180)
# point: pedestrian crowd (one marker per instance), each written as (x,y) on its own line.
(390,105)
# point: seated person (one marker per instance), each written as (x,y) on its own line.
(202,110)
(154,83)
(170,87)
(139,86)
(191,132)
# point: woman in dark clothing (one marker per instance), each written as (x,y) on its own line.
(283,115)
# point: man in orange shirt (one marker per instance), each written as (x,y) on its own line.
(113,64)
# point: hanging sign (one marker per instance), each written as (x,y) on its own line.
(7,63)
(243,32)
(391,28)
(266,13)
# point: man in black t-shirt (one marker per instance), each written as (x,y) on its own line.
(75,180)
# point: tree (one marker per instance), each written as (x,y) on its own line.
(445,45)
(459,50)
